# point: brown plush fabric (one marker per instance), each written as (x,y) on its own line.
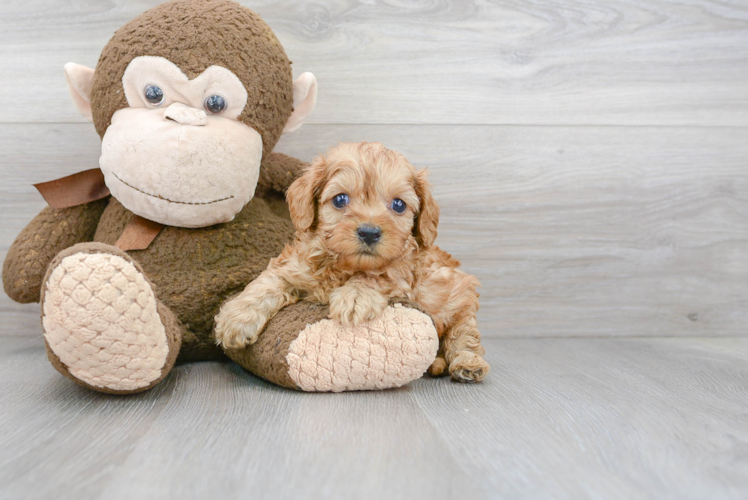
(277,204)
(174,328)
(196,34)
(408,303)
(50,232)
(195,270)
(277,173)
(267,356)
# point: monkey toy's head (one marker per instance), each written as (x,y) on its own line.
(187,98)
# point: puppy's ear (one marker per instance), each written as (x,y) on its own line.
(302,194)
(427,219)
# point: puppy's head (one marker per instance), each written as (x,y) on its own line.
(367,204)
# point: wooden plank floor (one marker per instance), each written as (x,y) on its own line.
(560,62)
(557,418)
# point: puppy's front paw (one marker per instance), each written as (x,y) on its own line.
(354,305)
(468,367)
(238,326)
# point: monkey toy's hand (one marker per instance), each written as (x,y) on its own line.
(355,303)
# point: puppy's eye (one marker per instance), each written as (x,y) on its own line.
(215,104)
(153,94)
(340,200)
(398,205)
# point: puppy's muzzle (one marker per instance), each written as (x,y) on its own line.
(369,234)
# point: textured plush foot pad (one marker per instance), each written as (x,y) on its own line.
(100,319)
(388,352)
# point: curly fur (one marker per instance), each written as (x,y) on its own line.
(329,263)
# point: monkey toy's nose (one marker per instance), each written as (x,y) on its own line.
(185,115)
(369,234)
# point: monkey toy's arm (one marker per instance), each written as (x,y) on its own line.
(277,172)
(50,232)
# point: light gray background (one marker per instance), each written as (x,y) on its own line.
(591,162)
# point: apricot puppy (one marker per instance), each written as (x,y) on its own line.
(365,228)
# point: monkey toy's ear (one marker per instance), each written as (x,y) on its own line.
(80,81)
(304,99)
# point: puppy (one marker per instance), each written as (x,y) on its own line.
(365,228)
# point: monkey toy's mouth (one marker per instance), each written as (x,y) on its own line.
(180,175)
(158,196)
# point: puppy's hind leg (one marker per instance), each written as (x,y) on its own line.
(439,367)
(463,352)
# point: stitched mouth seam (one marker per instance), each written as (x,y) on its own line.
(167,199)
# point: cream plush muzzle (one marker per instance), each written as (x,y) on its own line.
(180,174)
(172,162)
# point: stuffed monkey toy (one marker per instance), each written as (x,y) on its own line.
(132,261)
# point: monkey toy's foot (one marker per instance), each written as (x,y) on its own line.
(103,326)
(302,349)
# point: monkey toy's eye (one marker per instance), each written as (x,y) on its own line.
(215,104)
(398,205)
(154,94)
(340,200)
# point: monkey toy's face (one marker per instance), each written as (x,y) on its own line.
(187,98)
(178,154)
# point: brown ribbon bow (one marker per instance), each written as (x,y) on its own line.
(87,186)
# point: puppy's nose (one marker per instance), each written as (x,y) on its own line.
(369,234)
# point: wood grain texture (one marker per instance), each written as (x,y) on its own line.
(667,62)
(614,418)
(573,231)
(557,418)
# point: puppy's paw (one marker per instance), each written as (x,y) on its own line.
(467,366)
(438,367)
(354,305)
(237,327)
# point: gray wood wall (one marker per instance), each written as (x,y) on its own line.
(590,158)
